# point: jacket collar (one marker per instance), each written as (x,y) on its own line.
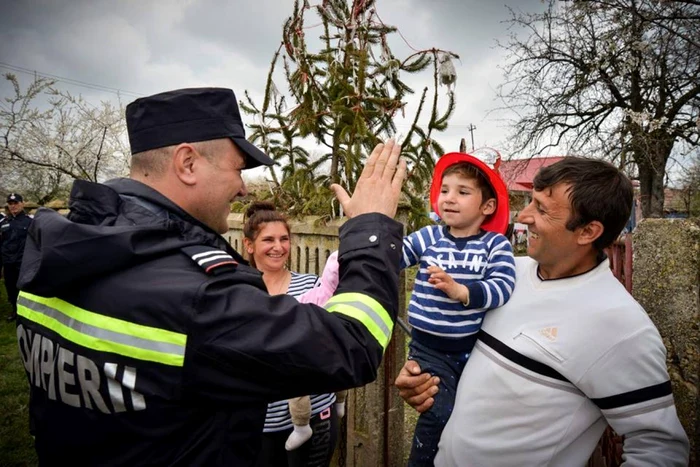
(20,215)
(108,229)
(111,202)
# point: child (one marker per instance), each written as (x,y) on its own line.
(300,407)
(466,267)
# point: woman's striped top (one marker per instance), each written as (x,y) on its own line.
(278,417)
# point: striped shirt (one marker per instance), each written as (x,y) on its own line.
(301,283)
(277,417)
(483,262)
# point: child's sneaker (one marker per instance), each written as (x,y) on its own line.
(300,435)
(340,409)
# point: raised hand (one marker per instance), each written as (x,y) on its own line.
(379,186)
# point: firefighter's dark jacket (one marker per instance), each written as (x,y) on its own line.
(13,234)
(137,355)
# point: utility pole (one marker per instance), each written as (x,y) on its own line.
(471,129)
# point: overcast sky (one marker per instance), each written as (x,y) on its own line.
(147,46)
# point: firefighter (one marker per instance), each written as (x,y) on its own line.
(13,235)
(148,340)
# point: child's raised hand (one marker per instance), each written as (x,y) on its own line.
(443,281)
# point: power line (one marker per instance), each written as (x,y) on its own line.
(99,87)
(75,82)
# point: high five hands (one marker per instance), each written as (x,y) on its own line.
(379,186)
(378,190)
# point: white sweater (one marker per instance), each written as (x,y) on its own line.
(551,366)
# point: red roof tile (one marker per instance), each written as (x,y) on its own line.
(518,174)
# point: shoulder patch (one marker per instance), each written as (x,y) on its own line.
(211,259)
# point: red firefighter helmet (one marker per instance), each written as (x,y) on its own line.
(496,222)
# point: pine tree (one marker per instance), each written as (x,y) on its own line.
(346,97)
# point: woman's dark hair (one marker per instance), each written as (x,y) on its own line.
(598,192)
(258,214)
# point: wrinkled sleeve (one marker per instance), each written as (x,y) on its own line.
(414,245)
(246,343)
(497,286)
(631,387)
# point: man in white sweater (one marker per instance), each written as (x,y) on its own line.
(570,352)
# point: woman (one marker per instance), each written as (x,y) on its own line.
(267,240)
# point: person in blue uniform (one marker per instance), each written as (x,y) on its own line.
(13,235)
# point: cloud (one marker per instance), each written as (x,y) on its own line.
(253,28)
(151,46)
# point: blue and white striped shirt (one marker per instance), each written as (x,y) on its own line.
(277,417)
(483,262)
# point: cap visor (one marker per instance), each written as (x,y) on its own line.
(255,156)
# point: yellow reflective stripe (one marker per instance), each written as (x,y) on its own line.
(104,333)
(109,323)
(366,310)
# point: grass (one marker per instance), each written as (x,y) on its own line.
(16,444)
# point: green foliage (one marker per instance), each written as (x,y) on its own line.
(16,444)
(345,97)
(688,193)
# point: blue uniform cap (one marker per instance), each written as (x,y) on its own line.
(189,116)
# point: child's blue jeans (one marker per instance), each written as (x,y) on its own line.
(448,367)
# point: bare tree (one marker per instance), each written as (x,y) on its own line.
(614,78)
(66,139)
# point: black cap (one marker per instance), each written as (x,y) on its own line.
(14,198)
(189,116)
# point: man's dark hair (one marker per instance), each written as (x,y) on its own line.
(470,172)
(598,192)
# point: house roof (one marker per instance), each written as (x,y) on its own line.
(673,200)
(519,173)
